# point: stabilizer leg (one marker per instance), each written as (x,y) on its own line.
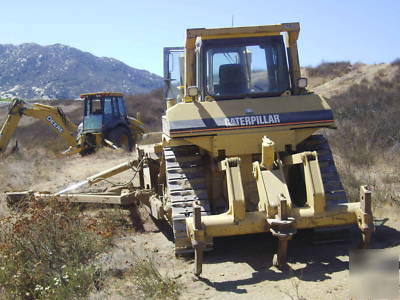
(283,228)
(198,240)
(366,224)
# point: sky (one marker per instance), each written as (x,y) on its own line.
(135,32)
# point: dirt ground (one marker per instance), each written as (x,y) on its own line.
(238,267)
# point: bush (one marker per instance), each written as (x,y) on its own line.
(330,69)
(396,62)
(151,283)
(46,251)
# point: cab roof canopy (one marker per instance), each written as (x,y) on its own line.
(101,95)
(292,33)
(232,32)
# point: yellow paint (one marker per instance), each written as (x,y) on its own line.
(235,188)
(256,222)
(49,115)
(187,99)
(233,36)
(268,153)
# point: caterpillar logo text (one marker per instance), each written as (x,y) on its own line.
(252,120)
(55,124)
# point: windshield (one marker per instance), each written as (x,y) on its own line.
(250,66)
(92,123)
(93,107)
(93,118)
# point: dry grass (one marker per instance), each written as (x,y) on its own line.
(151,107)
(367,142)
(26,170)
(396,62)
(327,71)
(330,69)
(22,169)
(47,249)
(150,283)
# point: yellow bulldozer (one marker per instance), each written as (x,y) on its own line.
(239,154)
(105,122)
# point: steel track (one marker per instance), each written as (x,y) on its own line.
(186,183)
(334,191)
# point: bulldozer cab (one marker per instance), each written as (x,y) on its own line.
(103,111)
(227,64)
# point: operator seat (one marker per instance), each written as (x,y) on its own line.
(232,79)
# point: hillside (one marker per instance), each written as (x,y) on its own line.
(62,72)
(366,144)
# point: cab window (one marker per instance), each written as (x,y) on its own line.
(115,106)
(121,107)
(95,107)
(173,72)
(247,67)
(108,110)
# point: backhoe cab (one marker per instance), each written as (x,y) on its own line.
(103,111)
(105,117)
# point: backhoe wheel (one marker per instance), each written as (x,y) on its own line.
(122,138)
(90,146)
(87,151)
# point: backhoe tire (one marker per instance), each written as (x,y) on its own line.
(122,138)
(87,151)
(90,146)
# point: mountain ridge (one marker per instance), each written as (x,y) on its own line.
(59,71)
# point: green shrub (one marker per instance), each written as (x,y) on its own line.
(46,251)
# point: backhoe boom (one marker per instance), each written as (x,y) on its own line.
(52,116)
